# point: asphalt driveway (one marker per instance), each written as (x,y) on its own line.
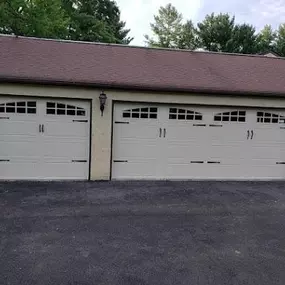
(142,233)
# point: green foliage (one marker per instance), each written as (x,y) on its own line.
(215,32)
(39,18)
(87,20)
(167,28)
(245,39)
(12,14)
(266,39)
(96,20)
(188,38)
(280,40)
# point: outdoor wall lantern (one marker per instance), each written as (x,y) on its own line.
(102,99)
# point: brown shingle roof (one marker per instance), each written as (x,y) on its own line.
(102,65)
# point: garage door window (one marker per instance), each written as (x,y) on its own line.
(23,107)
(53,108)
(183,114)
(141,113)
(270,118)
(234,116)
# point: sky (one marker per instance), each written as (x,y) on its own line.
(138,14)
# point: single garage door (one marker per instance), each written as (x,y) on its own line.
(44,139)
(193,142)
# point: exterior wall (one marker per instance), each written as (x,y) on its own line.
(102,126)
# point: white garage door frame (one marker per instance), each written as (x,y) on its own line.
(151,103)
(88,102)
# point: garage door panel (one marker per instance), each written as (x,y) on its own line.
(136,169)
(227,171)
(204,143)
(228,161)
(136,111)
(24,170)
(198,150)
(136,135)
(66,149)
(210,169)
(228,134)
(183,171)
(140,130)
(231,153)
(182,153)
(61,171)
(263,152)
(198,159)
(40,145)
(186,143)
(134,145)
(266,161)
(186,138)
(266,136)
(17,139)
(67,129)
(11,127)
(66,139)
(19,145)
(227,138)
(268,143)
(207,171)
(266,172)
(18,149)
(135,151)
(62,140)
(185,131)
(200,171)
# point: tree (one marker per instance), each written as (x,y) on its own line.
(215,32)
(266,39)
(109,13)
(88,20)
(12,17)
(96,21)
(39,18)
(280,40)
(188,38)
(167,28)
(245,39)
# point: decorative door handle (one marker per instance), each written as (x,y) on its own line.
(40,128)
(160,132)
(252,134)
(164,133)
(248,134)
(43,128)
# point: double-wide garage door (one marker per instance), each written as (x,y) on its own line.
(44,138)
(182,142)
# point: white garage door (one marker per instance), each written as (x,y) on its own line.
(192,142)
(44,139)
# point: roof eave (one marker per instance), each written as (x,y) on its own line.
(137,87)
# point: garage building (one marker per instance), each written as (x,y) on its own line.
(79,111)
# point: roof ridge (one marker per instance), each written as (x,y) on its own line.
(142,47)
